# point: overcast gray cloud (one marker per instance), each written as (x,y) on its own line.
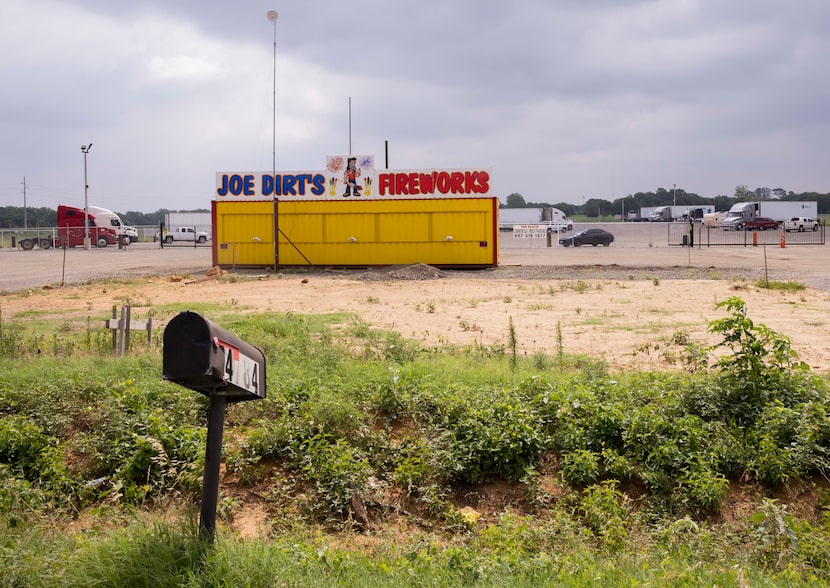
(563,100)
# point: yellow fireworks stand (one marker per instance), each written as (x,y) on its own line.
(444,232)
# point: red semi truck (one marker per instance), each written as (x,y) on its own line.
(71,231)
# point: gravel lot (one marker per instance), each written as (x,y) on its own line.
(639,251)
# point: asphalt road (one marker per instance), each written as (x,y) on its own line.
(635,245)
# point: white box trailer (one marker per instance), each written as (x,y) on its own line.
(508,217)
(199,221)
(778,210)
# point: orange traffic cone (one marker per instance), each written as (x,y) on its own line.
(783,242)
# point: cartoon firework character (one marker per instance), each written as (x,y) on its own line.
(350,177)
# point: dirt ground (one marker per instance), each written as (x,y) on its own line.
(632,317)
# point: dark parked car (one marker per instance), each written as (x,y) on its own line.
(588,237)
(761,222)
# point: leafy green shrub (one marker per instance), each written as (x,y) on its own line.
(701,489)
(495,436)
(18,497)
(32,454)
(760,366)
(789,442)
(414,465)
(338,471)
(580,467)
(603,509)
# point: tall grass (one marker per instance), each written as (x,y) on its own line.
(612,478)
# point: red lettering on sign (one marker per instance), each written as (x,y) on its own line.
(384,183)
(484,182)
(457,183)
(401,187)
(427,182)
(441,182)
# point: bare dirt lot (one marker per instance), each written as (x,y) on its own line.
(625,304)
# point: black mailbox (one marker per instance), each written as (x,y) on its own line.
(208,359)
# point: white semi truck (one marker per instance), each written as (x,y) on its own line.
(109,218)
(680,212)
(777,210)
(549,216)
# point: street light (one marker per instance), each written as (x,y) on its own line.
(85,149)
(674,194)
(272,16)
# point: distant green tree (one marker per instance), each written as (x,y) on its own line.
(597,207)
(743,193)
(722,203)
(568,209)
(515,200)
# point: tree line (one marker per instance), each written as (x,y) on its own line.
(16,217)
(598,207)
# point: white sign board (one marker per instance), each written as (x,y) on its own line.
(530,231)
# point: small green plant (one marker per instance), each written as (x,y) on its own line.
(468,326)
(540,360)
(580,467)
(603,509)
(786,286)
(773,531)
(512,344)
(760,364)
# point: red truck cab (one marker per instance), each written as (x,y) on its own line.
(71,229)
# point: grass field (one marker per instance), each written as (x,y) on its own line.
(375,461)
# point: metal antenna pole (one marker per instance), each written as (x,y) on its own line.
(273,16)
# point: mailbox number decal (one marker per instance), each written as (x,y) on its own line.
(240,369)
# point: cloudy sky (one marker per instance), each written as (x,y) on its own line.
(563,100)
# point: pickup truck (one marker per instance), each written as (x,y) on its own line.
(801,224)
(761,223)
(557,226)
(185,234)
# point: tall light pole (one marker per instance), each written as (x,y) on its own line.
(85,149)
(273,16)
(674,194)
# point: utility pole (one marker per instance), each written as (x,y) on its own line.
(25,221)
(85,150)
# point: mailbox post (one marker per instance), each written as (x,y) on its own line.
(208,359)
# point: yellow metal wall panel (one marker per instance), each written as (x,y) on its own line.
(350,227)
(448,232)
(243,234)
(300,227)
(461,226)
(404,227)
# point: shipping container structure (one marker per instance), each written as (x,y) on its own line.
(436,217)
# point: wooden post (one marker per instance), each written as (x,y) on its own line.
(127,331)
(114,332)
(121,326)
